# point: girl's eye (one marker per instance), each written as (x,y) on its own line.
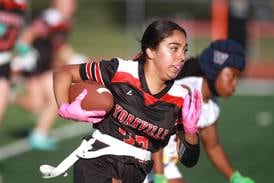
(174,49)
(185,48)
(232,76)
(235,76)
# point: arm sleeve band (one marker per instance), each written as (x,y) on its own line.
(189,154)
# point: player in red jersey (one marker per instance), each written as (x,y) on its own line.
(43,44)
(148,108)
(11,23)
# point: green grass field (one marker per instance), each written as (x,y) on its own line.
(246,136)
(245,128)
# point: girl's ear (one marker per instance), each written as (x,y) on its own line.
(150,53)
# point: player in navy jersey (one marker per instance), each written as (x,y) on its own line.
(42,44)
(11,23)
(147,107)
(215,73)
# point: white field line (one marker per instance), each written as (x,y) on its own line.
(65,132)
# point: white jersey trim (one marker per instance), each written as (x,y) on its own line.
(128,66)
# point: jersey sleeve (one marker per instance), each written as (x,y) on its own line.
(209,114)
(102,71)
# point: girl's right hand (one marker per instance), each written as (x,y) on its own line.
(75,112)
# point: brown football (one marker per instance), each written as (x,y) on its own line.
(98,96)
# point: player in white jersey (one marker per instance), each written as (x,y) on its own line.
(214,73)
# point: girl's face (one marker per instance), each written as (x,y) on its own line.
(169,57)
(227,81)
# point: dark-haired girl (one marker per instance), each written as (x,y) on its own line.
(148,108)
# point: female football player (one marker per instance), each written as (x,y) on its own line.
(147,105)
(45,42)
(215,73)
(11,23)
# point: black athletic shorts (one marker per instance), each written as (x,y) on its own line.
(5,70)
(45,58)
(102,169)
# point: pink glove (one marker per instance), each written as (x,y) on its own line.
(191,112)
(75,112)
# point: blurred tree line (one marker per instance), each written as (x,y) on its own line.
(107,23)
(116,10)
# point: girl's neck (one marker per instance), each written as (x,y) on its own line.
(154,83)
(206,93)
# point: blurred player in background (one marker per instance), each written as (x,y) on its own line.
(43,46)
(11,23)
(215,73)
(238,18)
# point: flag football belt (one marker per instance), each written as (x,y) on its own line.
(115,147)
(5,57)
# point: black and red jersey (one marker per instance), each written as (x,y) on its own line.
(12,17)
(138,117)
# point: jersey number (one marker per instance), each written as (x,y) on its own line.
(141,140)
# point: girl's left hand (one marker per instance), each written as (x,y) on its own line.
(191,112)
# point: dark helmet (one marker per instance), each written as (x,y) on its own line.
(220,54)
